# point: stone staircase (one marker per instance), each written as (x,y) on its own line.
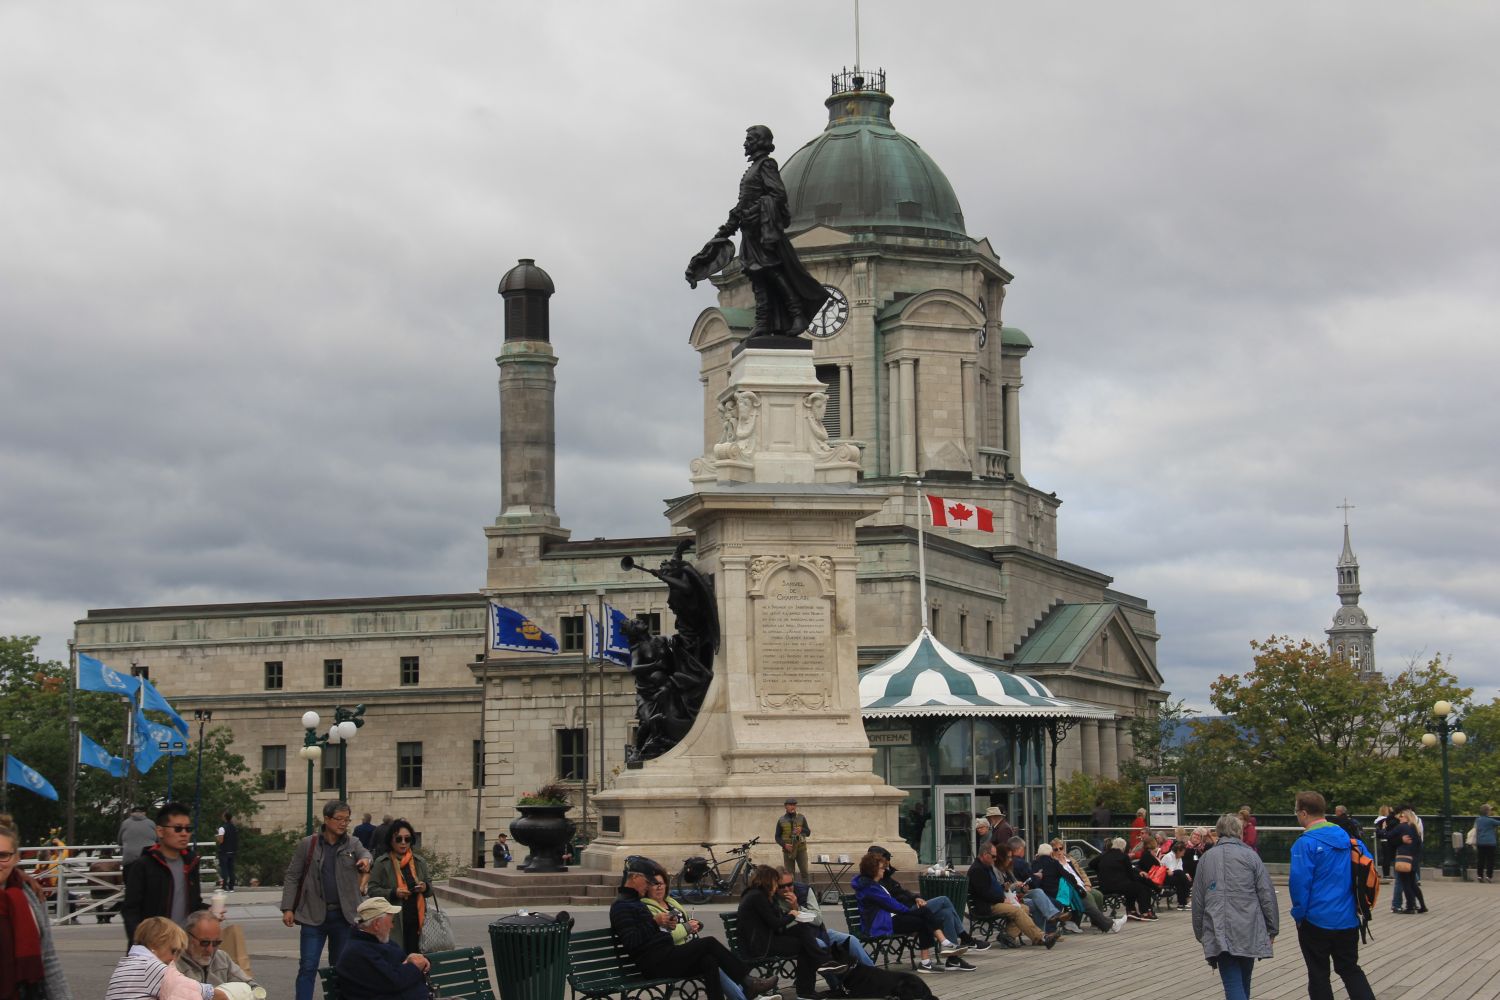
(506,888)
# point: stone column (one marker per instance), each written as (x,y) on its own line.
(893,425)
(1088,739)
(846,401)
(1013,428)
(1124,745)
(971,415)
(1109,756)
(908,418)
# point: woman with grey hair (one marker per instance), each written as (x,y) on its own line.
(1118,876)
(1235,916)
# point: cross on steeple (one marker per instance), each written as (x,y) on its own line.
(1346,507)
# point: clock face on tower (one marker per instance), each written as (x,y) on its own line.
(830,319)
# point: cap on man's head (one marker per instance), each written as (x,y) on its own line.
(790,802)
(637,864)
(376,907)
(994,811)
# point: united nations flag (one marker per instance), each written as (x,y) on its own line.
(94,755)
(509,629)
(17,773)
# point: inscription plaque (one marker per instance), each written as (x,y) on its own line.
(794,663)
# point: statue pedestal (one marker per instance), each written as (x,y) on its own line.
(781,716)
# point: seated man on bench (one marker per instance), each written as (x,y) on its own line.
(643,938)
(987,895)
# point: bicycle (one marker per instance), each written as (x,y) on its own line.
(701,877)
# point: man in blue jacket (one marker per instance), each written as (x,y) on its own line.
(373,967)
(1322,890)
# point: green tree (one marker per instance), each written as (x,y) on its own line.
(34,711)
(1078,793)
(1157,750)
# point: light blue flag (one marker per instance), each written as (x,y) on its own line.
(154,702)
(147,750)
(509,629)
(17,773)
(168,740)
(94,755)
(615,648)
(95,676)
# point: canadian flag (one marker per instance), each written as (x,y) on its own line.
(957,514)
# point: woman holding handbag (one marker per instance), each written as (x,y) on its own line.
(1408,841)
(402,877)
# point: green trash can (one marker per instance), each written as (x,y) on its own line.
(955,887)
(531,956)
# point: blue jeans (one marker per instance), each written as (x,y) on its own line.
(855,949)
(1235,971)
(1042,908)
(1396,893)
(334,931)
(942,908)
(731,988)
(226,870)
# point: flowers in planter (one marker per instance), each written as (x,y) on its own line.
(554,793)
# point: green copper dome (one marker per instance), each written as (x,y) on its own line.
(861,174)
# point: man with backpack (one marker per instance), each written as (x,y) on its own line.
(1324,904)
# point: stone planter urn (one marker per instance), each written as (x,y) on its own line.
(546,831)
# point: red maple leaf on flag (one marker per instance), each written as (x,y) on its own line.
(959,512)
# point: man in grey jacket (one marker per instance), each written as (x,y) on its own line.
(321,893)
(136,834)
(1235,915)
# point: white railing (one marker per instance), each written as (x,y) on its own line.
(81,884)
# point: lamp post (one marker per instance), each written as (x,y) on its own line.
(346,723)
(311,752)
(203,717)
(1443,729)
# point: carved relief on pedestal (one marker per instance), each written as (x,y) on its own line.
(793,660)
(825,454)
(740,414)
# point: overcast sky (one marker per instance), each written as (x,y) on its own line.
(247,286)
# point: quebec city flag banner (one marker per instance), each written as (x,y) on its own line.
(509,629)
(17,773)
(955,514)
(94,755)
(615,647)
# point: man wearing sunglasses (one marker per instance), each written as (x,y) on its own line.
(205,961)
(163,881)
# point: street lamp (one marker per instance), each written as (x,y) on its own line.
(310,752)
(1442,731)
(346,722)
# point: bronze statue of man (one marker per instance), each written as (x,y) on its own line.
(786,296)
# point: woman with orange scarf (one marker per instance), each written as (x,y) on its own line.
(402,877)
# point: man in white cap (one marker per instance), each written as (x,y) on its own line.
(372,967)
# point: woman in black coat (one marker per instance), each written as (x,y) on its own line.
(765,930)
(1118,876)
(1408,844)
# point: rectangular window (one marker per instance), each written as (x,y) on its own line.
(652,619)
(273,769)
(932,618)
(408,765)
(829,376)
(571,633)
(963,631)
(273,675)
(333,673)
(411,671)
(478,764)
(989,635)
(140,670)
(572,754)
(333,766)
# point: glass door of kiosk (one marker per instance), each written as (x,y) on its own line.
(955,826)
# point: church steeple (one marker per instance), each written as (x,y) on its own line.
(1351,637)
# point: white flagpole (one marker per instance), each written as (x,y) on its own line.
(922,553)
(593,638)
(603,616)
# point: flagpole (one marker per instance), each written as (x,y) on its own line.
(599,593)
(922,553)
(597,643)
(128,780)
(72,739)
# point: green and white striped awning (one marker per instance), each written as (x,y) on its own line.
(928,678)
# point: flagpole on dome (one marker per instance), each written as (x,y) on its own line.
(73,740)
(923,502)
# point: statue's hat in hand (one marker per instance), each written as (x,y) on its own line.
(713,258)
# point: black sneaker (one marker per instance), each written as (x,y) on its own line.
(956,964)
(977,945)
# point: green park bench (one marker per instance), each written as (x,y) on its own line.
(599,967)
(884,950)
(766,965)
(462,973)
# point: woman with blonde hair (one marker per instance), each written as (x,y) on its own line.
(1407,839)
(148,970)
(28,963)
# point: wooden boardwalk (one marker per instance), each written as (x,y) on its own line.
(1451,953)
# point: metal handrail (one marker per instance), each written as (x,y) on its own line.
(72,873)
